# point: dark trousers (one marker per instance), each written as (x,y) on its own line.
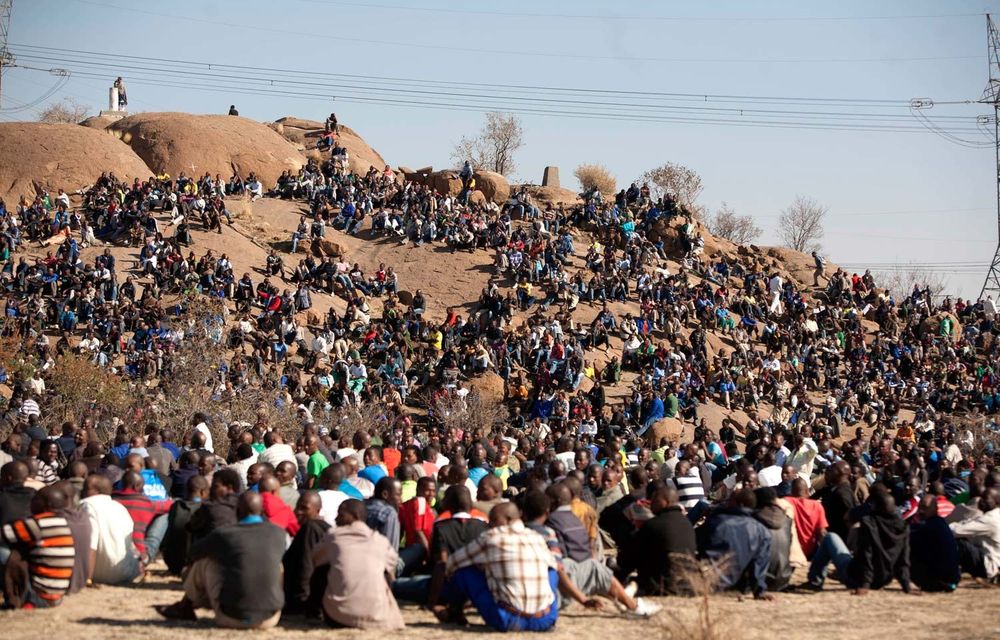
(971,558)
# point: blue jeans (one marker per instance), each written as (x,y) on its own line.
(831,549)
(412,589)
(470,583)
(155,532)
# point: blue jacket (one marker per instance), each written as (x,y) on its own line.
(735,533)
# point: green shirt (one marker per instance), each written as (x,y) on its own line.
(317,462)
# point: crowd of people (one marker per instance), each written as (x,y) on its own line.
(860,424)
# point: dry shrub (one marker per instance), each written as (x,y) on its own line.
(240,208)
(77,386)
(700,579)
(475,411)
(595,176)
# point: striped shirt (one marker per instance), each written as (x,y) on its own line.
(142,510)
(690,490)
(30,407)
(49,543)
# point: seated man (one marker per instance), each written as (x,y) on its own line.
(116,560)
(177,540)
(149,516)
(362,563)
(979,538)
(882,553)
(304,582)
(739,543)
(235,571)
(662,539)
(582,579)
(37,553)
(508,573)
(934,562)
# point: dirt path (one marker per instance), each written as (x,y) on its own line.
(970,614)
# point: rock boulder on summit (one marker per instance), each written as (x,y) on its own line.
(217,144)
(36,156)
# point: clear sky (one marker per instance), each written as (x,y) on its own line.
(893,196)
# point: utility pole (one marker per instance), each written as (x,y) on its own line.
(6,59)
(991,96)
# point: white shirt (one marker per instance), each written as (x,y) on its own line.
(203,428)
(117,559)
(278,453)
(331,500)
(984,531)
(769,476)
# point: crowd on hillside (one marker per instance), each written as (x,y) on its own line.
(583,490)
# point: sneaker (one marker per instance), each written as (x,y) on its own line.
(644,609)
(631,588)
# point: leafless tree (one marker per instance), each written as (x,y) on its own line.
(493,148)
(800,225)
(676,179)
(900,279)
(66,111)
(725,223)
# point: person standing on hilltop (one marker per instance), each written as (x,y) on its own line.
(122,97)
(820,271)
(330,126)
(233,111)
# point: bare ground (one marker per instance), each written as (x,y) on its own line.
(969,613)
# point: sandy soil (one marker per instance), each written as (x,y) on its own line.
(969,613)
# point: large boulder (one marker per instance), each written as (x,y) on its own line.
(554,196)
(217,144)
(446,183)
(306,133)
(493,185)
(36,156)
(932,325)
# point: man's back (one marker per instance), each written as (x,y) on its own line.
(883,552)
(15,503)
(733,534)
(177,540)
(652,552)
(573,538)
(250,557)
(810,519)
(212,515)
(837,502)
(357,593)
(111,538)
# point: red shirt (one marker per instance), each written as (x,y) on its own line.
(391,458)
(280,514)
(142,510)
(810,518)
(416,515)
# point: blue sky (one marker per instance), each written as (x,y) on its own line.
(893,196)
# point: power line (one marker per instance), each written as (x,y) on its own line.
(699,97)
(365,90)
(510,52)
(613,17)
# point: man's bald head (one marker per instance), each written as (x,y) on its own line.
(96,484)
(15,472)
(269,484)
(249,504)
(503,514)
(332,476)
(559,494)
(51,498)
(134,462)
(132,480)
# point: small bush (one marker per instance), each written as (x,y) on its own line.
(595,175)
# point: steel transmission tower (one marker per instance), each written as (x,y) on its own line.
(6,59)
(991,96)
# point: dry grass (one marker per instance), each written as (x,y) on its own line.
(118,612)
